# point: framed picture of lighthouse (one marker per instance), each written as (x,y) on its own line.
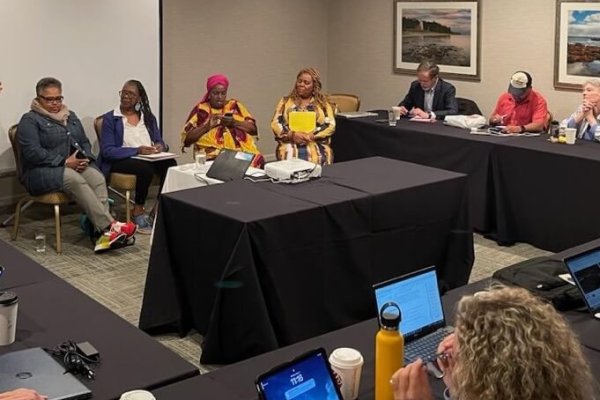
(577,52)
(445,32)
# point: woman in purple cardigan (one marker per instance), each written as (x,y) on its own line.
(129,130)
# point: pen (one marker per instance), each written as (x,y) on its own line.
(442,356)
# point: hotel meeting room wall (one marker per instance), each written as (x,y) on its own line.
(93,47)
(260,46)
(515,35)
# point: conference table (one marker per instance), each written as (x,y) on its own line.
(236,381)
(51,312)
(256,266)
(20,270)
(521,189)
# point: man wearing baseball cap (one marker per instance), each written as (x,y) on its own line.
(521,109)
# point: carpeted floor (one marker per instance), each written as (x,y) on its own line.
(116,279)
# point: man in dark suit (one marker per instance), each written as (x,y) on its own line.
(429,97)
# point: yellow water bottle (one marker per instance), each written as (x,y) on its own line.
(389,350)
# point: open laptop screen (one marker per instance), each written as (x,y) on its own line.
(307,377)
(585,269)
(419,300)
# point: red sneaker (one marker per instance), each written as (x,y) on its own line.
(128,228)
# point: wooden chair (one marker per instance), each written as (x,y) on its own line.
(55,199)
(345,102)
(117,181)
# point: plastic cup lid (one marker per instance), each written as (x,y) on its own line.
(345,356)
(8,298)
(137,395)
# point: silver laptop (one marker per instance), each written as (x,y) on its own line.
(585,270)
(423,324)
(35,369)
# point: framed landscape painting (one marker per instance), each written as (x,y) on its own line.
(445,32)
(577,52)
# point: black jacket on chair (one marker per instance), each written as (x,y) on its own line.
(444,98)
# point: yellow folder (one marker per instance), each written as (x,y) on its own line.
(302,121)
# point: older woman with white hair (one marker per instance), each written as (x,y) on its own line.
(586,118)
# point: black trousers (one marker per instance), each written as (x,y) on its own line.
(144,171)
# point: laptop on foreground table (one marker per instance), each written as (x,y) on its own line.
(585,270)
(422,321)
(35,369)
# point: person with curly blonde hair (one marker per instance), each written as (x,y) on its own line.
(306,96)
(507,345)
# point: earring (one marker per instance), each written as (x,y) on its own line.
(138,106)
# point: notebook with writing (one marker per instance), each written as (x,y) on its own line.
(35,369)
(423,324)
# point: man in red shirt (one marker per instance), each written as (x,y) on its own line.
(521,109)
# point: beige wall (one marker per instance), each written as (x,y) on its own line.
(259,45)
(360,52)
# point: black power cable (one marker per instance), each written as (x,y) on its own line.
(75,360)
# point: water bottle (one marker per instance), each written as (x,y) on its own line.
(389,350)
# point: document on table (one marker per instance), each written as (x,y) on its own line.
(357,114)
(417,119)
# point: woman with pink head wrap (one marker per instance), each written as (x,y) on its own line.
(217,123)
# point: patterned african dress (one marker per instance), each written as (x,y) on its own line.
(319,151)
(222,137)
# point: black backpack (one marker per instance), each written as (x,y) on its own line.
(539,275)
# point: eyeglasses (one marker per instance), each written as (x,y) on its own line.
(127,93)
(56,100)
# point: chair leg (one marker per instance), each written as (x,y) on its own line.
(127,200)
(15,230)
(57,225)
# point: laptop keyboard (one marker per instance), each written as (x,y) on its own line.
(425,347)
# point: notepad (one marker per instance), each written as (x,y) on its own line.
(156,157)
(302,121)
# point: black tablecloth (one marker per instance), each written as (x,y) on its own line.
(237,379)
(520,188)
(53,311)
(20,270)
(254,267)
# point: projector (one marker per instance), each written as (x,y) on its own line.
(292,171)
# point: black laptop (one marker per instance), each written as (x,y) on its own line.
(35,369)
(585,270)
(422,324)
(230,165)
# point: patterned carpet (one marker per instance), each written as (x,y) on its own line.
(116,279)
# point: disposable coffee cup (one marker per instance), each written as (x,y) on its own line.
(397,112)
(570,134)
(137,395)
(347,364)
(8,317)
